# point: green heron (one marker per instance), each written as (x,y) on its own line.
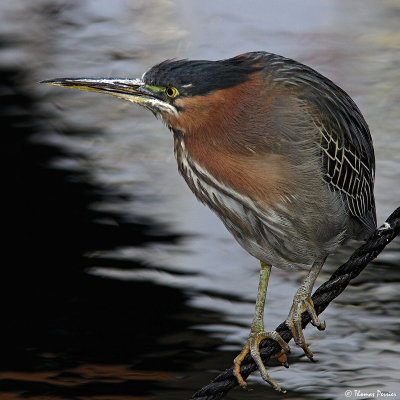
(281,154)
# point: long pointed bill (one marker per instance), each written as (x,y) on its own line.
(133,90)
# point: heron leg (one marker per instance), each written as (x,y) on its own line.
(302,302)
(257,334)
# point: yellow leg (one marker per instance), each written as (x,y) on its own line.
(257,334)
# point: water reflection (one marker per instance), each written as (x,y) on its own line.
(120,284)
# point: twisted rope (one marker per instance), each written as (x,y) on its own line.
(321,298)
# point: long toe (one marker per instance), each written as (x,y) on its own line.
(309,304)
(237,362)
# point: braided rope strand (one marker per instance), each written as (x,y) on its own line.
(321,298)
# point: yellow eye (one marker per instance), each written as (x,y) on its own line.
(171,91)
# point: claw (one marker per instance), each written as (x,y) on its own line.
(282,358)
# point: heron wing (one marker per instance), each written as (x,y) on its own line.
(347,153)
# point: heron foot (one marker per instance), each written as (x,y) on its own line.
(252,346)
(294,321)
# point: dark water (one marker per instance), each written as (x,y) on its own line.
(116,283)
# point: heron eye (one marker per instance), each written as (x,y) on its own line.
(171,91)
